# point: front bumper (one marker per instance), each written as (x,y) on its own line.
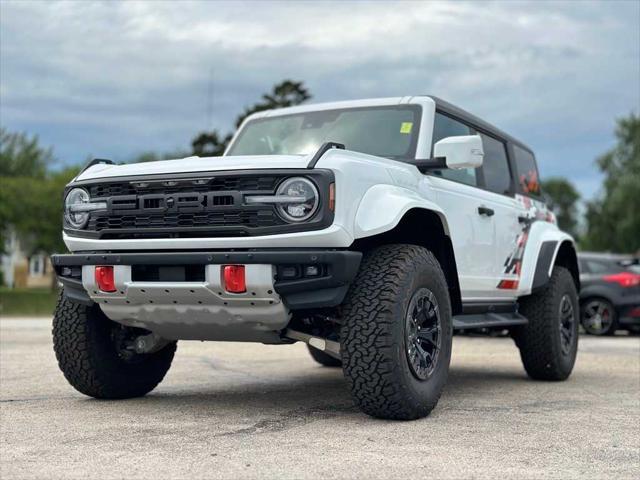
(202,309)
(334,236)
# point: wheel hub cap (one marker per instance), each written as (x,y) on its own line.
(423,335)
(596,317)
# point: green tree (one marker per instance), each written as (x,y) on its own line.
(36,210)
(5,213)
(563,199)
(210,144)
(613,219)
(21,156)
(31,195)
(285,94)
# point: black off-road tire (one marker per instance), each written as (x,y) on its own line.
(322,358)
(539,341)
(83,341)
(373,341)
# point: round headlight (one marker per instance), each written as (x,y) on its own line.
(302,196)
(74,216)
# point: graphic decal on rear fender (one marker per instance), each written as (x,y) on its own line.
(533,211)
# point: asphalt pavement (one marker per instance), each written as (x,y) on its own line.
(232,410)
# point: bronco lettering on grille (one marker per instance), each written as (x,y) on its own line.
(187,202)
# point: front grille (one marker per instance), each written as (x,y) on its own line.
(195,206)
(174,207)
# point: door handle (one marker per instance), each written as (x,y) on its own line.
(487,212)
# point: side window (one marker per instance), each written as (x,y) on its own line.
(444,127)
(527,171)
(495,166)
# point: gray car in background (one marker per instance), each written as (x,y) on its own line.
(610,294)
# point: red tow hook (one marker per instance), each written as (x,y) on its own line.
(234,278)
(105,279)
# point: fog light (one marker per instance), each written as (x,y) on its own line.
(105,279)
(234,278)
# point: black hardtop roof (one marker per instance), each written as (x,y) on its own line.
(471,118)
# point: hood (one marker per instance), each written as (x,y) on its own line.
(196,164)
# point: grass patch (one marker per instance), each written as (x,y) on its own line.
(27,301)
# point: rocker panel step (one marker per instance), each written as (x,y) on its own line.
(488,320)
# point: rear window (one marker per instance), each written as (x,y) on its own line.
(527,171)
(603,266)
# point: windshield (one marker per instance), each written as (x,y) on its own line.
(390,132)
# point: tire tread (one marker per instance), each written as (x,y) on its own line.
(75,337)
(368,345)
(539,350)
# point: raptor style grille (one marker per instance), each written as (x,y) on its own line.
(182,207)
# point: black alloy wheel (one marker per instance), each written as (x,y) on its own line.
(423,333)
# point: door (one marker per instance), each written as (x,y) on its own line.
(472,228)
(501,204)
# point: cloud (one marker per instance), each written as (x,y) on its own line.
(115,78)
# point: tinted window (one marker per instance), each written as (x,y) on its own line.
(444,127)
(495,166)
(527,171)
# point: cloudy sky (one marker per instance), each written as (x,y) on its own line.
(113,79)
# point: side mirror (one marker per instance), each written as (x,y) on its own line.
(460,152)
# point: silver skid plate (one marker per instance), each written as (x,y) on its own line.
(195,310)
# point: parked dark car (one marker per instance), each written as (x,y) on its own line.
(610,293)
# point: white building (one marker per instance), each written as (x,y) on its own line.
(22,271)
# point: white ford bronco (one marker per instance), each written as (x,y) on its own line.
(370,230)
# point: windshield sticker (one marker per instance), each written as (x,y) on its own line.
(406,127)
